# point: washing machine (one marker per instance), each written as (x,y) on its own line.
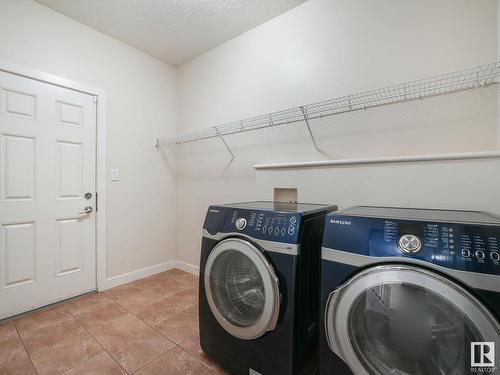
(410,292)
(259,286)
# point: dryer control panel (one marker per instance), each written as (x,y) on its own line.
(467,247)
(259,224)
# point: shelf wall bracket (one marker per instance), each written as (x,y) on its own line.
(225,144)
(306,119)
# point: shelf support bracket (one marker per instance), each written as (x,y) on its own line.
(225,144)
(159,142)
(306,119)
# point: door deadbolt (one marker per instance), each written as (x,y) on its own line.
(88,196)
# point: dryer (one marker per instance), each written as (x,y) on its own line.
(259,286)
(410,291)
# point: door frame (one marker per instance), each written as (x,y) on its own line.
(100,95)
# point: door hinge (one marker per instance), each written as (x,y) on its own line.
(96,99)
(96,201)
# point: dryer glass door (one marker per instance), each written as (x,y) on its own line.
(404,320)
(242,289)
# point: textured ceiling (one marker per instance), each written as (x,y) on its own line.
(172,30)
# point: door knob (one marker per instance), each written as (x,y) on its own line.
(86,210)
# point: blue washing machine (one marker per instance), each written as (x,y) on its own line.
(259,286)
(410,291)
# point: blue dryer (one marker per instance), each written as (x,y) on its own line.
(410,291)
(259,286)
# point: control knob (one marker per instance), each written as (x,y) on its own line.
(479,254)
(410,244)
(241,223)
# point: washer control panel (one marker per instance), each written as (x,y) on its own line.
(463,244)
(265,225)
(467,247)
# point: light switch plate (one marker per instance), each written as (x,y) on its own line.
(115,174)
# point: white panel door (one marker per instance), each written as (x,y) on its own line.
(47,164)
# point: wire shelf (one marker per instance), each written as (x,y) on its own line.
(479,76)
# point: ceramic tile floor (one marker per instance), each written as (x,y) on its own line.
(149,326)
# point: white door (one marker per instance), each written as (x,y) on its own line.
(47,165)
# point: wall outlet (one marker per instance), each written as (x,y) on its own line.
(115,174)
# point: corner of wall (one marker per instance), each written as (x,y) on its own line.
(498,87)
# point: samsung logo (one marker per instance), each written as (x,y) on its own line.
(214,211)
(340,222)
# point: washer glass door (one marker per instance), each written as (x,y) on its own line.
(403,320)
(242,289)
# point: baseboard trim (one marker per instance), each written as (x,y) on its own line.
(148,271)
(139,274)
(195,270)
(123,279)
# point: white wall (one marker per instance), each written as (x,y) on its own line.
(459,184)
(323,49)
(140,107)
